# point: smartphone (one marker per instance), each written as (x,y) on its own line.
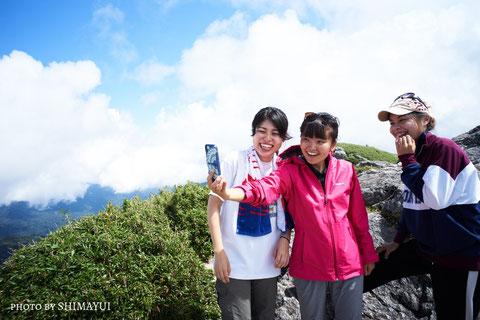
(213,161)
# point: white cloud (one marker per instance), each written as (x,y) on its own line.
(109,21)
(58,135)
(52,126)
(349,73)
(151,72)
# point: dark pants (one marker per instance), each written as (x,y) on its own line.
(449,285)
(247,299)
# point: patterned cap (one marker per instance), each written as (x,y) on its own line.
(403,106)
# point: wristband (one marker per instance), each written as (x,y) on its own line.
(285,237)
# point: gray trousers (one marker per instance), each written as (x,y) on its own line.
(346,298)
(247,299)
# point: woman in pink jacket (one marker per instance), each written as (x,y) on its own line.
(333,248)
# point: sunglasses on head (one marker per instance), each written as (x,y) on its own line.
(314,115)
(410,95)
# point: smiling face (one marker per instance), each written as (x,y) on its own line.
(316,150)
(266,140)
(407,124)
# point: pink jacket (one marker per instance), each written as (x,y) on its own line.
(332,241)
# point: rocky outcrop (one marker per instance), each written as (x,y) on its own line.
(382,188)
(470,142)
(408,298)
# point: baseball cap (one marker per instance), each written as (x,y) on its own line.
(403,104)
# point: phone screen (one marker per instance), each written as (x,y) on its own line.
(213,161)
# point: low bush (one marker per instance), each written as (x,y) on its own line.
(127,258)
(187,210)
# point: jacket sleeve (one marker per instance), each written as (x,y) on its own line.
(439,183)
(358,216)
(265,190)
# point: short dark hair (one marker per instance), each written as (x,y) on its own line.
(276,116)
(320,125)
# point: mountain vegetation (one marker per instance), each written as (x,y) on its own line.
(356,153)
(145,258)
(137,257)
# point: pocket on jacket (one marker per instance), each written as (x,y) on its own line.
(315,251)
(348,253)
(297,249)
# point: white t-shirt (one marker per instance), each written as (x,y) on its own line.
(250,257)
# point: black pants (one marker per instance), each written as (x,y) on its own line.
(449,285)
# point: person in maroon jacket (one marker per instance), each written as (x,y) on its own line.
(441,210)
(333,248)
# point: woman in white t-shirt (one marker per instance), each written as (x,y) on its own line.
(251,243)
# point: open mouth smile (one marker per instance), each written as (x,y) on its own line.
(266,146)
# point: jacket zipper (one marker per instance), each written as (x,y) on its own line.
(330,217)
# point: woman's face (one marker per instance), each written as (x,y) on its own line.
(316,150)
(407,125)
(266,140)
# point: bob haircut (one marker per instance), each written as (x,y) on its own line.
(320,125)
(276,116)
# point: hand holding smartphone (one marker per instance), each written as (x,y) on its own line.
(213,161)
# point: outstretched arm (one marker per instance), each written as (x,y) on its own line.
(219,186)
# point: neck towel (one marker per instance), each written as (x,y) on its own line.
(254,221)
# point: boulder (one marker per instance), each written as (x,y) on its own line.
(340,153)
(470,142)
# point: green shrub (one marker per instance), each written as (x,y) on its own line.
(127,257)
(367,152)
(187,211)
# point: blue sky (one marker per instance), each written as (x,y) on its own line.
(85,30)
(126,93)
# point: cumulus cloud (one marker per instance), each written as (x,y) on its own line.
(350,73)
(58,135)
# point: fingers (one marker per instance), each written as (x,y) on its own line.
(217,186)
(368,268)
(222,267)
(380,249)
(405,144)
(281,261)
(391,248)
(209,178)
(223,274)
(388,248)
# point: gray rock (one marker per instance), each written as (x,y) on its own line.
(376,164)
(470,142)
(340,153)
(382,189)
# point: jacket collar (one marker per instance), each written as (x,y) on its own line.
(421,142)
